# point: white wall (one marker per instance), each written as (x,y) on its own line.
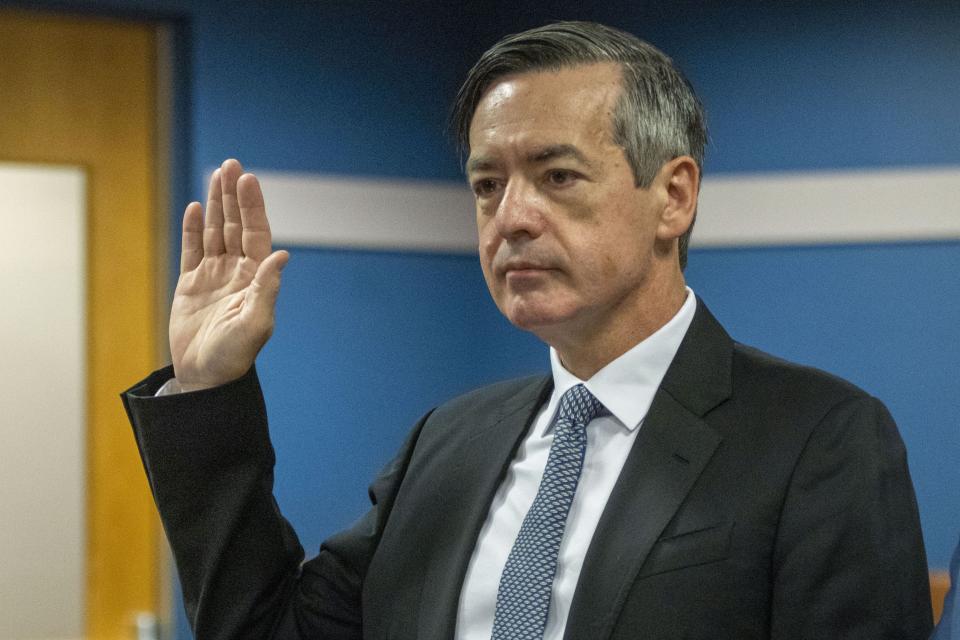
(42,416)
(825,207)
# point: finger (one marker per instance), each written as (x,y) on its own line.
(253,213)
(213,222)
(230,171)
(191,250)
(262,296)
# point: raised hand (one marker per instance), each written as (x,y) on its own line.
(222,310)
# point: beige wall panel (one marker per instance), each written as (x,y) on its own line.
(43,425)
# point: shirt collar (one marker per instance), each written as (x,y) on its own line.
(627,385)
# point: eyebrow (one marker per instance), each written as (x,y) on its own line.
(554,151)
(480,163)
(537,156)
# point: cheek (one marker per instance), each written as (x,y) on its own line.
(609,267)
(487,273)
(487,251)
(599,257)
(497,289)
(489,243)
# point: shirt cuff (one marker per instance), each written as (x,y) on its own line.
(169,388)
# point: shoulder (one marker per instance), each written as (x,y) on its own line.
(495,400)
(766,371)
(498,412)
(780,390)
(714,374)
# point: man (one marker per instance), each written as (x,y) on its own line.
(949,626)
(664,482)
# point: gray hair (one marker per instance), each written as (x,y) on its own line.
(658,117)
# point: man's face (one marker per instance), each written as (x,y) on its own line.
(566,239)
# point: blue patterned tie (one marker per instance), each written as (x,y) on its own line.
(523,599)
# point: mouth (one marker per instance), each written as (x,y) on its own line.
(520,271)
(521,266)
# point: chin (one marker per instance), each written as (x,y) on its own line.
(538,310)
(535,320)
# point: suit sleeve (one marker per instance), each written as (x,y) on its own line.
(209,462)
(849,561)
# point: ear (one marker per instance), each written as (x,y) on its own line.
(681,180)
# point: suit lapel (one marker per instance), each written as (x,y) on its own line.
(482,462)
(671,451)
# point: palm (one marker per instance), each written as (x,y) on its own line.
(222,310)
(206,322)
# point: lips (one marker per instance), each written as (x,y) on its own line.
(524,263)
(514,269)
(520,265)
(525,274)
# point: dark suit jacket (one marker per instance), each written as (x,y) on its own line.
(760,500)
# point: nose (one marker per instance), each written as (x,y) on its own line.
(520,211)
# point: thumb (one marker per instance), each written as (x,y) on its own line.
(266,286)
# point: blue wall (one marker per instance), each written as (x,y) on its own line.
(367,341)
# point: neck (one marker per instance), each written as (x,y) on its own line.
(585,352)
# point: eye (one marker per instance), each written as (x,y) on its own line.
(484,187)
(560,177)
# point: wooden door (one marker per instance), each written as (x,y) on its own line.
(83,91)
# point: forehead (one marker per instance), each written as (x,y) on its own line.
(569,106)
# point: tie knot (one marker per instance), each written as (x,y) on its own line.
(579,406)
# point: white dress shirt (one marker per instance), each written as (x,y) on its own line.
(626,387)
